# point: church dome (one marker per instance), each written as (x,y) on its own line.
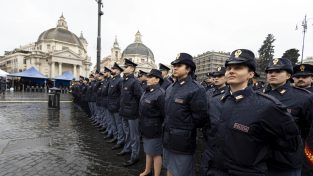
(60,33)
(138,48)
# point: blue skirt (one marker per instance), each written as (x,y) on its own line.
(152,146)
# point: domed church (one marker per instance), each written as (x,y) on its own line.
(56,51)
(136,52)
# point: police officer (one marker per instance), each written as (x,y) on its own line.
(114,92)
(130,96)
(142,77)
(250,124)
(104,99)
(299,103)
(303,76)
(90,98)
(185,111)
(85,97)
(165,74)
(209,82)
(100,110)
(214,104)
(151,113)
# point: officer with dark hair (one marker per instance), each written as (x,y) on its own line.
(303,76)
(165,74)
(151,113)
(99,108)
(115,130)
(130,96)
(249,124)
(299,103)
(185,111)
(214,104)
(142,77)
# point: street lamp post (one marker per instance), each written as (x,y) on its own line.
(100,13)
(305,27)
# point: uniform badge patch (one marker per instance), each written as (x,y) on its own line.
(241,127)
(302,68)
(237,53)
(275,61)
(178,100)
(125,88)
(148,101)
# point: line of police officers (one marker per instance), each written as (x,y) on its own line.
(248,130)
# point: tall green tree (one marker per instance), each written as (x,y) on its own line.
(292,55)
(266,52)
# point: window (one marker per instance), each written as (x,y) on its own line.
(48,46)
(24,61)
(64,48)
(116,54)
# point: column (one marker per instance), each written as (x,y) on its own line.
(52,69)
(74,71)
(80,70)
(60,68)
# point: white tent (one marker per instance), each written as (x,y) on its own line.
(3,73)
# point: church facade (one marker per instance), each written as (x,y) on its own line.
(137,52)
(57,50)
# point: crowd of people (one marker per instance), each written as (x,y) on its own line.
(250,128)
(2,85)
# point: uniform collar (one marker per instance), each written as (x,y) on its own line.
(281,90)
(116,76)
(239,95)
(219,91)
(128,76)
(184,81)
(152,88)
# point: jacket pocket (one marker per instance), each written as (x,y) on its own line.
(182,140)
(151,128)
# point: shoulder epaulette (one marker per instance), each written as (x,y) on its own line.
(269,97)
(307,91)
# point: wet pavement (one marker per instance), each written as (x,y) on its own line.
(37,141)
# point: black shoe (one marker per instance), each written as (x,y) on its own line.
(96,124)
(112,140)
(99,126)
(122,153)
(105,132)
(108,137)
(117,146)
(102,129)
(130,162)
(149,174)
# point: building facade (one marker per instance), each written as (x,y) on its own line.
(208,62)
(137,52)
(57,50)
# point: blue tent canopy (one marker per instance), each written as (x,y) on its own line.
(32,72)
(68,76)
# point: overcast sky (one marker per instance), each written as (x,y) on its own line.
(167,26)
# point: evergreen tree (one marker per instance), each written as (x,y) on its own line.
(266,52)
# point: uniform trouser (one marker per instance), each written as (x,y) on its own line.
(132,137)
(111,124)
(118,132)
(104,117)
(99,114)
(94,106)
